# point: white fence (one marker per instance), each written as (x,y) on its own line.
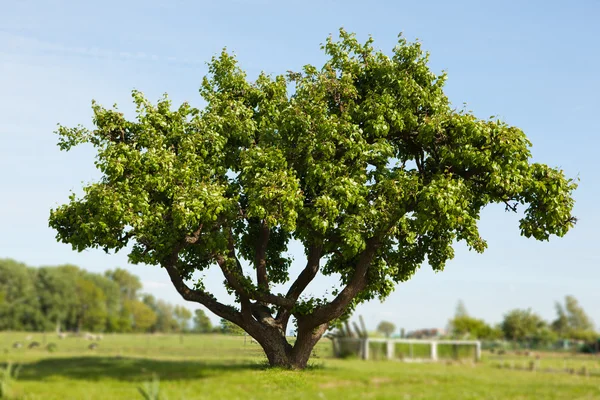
(360,347)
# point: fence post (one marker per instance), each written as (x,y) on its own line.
(478,351)
(390,350)
(365,343)
(434,356)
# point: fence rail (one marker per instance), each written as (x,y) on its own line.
(361,347)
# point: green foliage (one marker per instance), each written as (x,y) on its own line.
(572,321)
(143,316)
(202,323)
(129,284)
(183,316)
(469,327)
(68,298)
(522,325)
(386,328)
(363,158)
(8,375)
(151,390)
(165,315)
(461,310)
(20,309)
(229,328)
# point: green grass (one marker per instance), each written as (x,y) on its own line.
(220,367)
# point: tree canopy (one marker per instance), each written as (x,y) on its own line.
(386,327)
(364,161)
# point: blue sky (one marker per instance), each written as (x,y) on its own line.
(535,64)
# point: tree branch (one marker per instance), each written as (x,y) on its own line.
(207,300)
(234,282)
(337,306)
(306,276)
(195,236)
(261,262)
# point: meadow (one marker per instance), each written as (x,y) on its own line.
(231,367)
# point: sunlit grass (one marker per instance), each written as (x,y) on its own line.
(222,367)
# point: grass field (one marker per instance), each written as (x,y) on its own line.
(227,367)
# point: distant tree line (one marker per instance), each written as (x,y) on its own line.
(524,325)
(68,298)
(519,325)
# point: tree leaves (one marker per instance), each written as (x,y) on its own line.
(365,149)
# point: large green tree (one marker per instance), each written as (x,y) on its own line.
(364,161)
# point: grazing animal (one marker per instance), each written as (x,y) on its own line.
(93,346)
(33,345)
(17,345)
(62,335)
(28,337)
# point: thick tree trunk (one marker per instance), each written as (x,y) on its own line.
(281,354)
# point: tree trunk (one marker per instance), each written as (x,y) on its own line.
(281,354)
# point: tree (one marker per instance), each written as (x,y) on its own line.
(229,328)
(202,323)
(129,284)
(143,317)
(386,327)
(520,325)
(572,321)
(165,318)
(364,162)
(91,306)
(464,325)
(56,287)
(183,316)
(578,319)
(20,309)
(461,310)
(561,324)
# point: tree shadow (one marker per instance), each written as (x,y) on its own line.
(130,369)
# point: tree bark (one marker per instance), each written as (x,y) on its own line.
(283,355)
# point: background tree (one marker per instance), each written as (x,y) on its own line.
(561,324)
(67,298)
(56,288)
(183,316)
(469,327)
(522,325)
(91,312)
(578,319)
(572,321)
(363,161)
(143,317)
(202,323)
(386,328)
(461,310)
(229,328)
(20,309)
(129,284)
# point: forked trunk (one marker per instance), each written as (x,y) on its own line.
(281,354)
